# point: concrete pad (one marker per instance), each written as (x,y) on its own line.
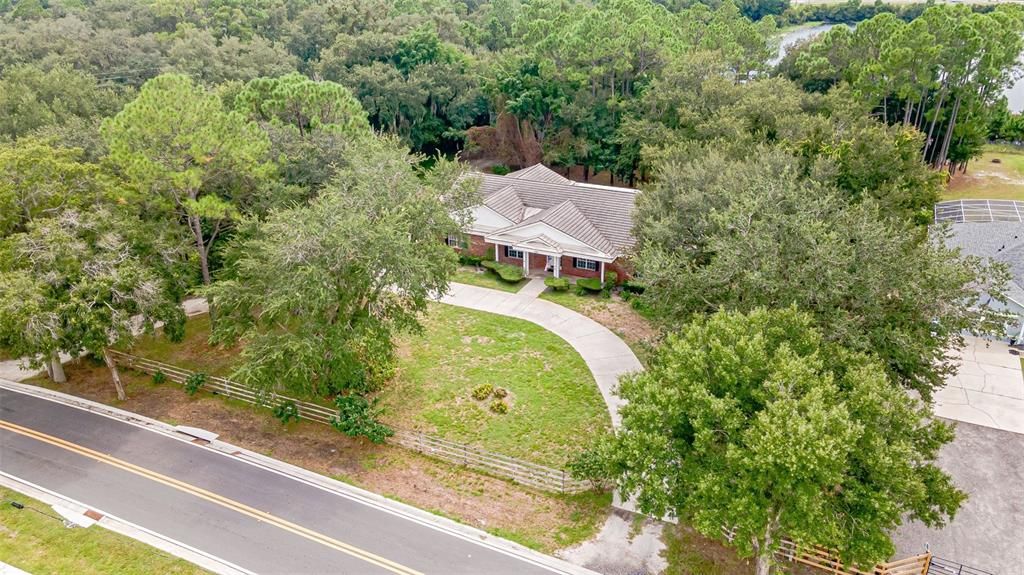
(1003,386)
(987,531)
(975,382)
(1006,413)
(988,389)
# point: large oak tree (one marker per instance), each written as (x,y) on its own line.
(756,426)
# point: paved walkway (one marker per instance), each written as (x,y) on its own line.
(988,390)
(607,356)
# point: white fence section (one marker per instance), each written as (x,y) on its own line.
(496,464)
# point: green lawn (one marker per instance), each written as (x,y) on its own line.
(988,180)
(485,278)
(555,404)
(569,299)
(553,397)
(39,544)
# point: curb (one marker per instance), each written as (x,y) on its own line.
(338,488)
(117,525)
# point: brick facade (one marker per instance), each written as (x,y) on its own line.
(618,266)
(478,247)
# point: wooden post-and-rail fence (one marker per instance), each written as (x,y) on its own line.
(502,466)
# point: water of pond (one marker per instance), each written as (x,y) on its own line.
(1014,94)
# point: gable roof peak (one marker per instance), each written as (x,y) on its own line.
(540,173)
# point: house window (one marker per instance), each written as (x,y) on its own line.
(582,264)
(512,253)
(455,241)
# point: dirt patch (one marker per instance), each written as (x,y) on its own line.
(542,521)
(688,552)
(621,318)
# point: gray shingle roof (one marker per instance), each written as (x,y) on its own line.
(1000,241)
(567,218)
(507,203)
(539,173)
(608,210)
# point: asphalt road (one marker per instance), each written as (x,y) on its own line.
(255,518)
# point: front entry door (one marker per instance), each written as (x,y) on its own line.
(550,267)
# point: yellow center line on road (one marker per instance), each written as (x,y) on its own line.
(213,498)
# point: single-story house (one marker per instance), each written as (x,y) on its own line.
(1001,241)
(546,223)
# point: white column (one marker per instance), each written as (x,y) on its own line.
(496,248)
(526,263)
(558,266)
(602,272)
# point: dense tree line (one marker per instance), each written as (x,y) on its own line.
(514,81)
(942,73)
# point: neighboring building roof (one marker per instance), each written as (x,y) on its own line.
(999,241)
(961,211)
(539,201)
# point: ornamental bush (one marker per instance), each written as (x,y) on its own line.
(159,377)
(557,284)
(286,412)
(592,285)
(498,406)
(610,279)
(482,391)
(468,259)
(634,286)
(194,383)
(358,416)
(506,272)
(500,392)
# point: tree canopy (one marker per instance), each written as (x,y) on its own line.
(719,234)
(176,144)
(317,291)
(755,424)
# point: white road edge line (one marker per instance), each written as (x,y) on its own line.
(312,479)
(114,523)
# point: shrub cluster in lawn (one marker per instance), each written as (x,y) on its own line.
(506,272)
(482,391)
(557,284)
